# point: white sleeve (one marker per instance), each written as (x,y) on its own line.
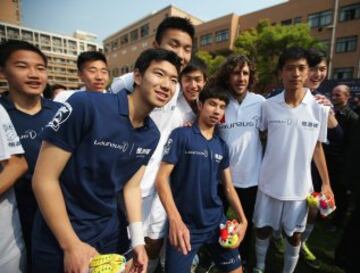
(263,118)
(9,140)
(324,114)
(63,95)
(123,82)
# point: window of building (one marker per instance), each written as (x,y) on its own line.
(297,20)
(286,22)
(206,39)
(320,19)
(222,35)
(346,44)
(91,47)
(114,45)
(2,30)
(344,73)
(144,30)
(13,33)
(134,35)
(348,13)
(124,39)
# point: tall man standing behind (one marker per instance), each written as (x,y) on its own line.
(175,34)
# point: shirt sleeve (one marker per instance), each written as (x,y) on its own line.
(173,147)
(263,118)
(225,162)
(123,82)
(70,123)
(324,114)
(9,140)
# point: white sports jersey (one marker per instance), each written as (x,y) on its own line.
(240,131)
(184,113)
(10,229)
(164,120)
(66,94)
(292,135)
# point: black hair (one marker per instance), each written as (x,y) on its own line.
(174,22)
(222,76)
(195,64)
(293,53)
(156,54)
(214,92)
(87,56)
(10,46)
(316,56)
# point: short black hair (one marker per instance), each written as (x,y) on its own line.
(293,53)
(10,46)
(316,56)
(87,56)
(195,64)
(214,92)
(174,22)
(156,54)
(222,76)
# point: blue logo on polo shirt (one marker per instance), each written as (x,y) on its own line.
(60,117)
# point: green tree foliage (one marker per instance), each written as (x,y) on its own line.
(212,62)
(265,43)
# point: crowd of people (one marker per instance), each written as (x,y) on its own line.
(151,166)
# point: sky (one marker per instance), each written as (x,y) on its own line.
(105,17)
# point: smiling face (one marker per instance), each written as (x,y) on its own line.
(26,73)
(192,83)
(239,80)
(95,75)
(317,75)
(158,83)
(178,42)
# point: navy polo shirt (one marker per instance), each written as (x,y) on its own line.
(29,129)
(106,152)
(196,176)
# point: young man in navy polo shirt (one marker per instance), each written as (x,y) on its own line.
(175,34)
(195,162)
(95,149)
(24,67)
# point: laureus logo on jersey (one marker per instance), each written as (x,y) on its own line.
(218,157)
(61,116)
(167,146)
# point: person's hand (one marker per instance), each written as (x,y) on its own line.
(323,100)
(327,191)
(140,260)
(78,257)
(241,230)
(179,236)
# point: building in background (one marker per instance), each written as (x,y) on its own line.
(62,51)
(10,11)
(123,47)
(340,25)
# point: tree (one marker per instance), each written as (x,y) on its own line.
(264,44)
(212,62)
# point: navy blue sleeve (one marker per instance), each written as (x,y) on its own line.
(225,162)
(173,147)
(335,135)
(69,124)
